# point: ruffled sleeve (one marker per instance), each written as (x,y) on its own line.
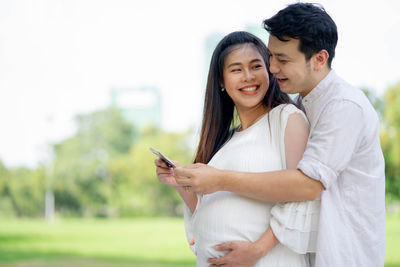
(295,224)
(188,218)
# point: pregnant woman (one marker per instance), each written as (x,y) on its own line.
(272,135)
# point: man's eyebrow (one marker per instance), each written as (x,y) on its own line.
(279,55)
(238,63)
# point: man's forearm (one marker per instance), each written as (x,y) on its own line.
(277,186)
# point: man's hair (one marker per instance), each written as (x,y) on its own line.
(310,24)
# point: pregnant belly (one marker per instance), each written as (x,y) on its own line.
(225,216)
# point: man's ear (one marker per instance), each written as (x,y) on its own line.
(320,59)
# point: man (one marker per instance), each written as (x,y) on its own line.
(343,161)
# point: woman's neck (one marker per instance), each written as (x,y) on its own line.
(250,116)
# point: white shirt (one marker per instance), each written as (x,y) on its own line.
(344,153)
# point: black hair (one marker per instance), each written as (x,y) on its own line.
(310,24)
(218,114)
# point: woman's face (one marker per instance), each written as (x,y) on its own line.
(245,77)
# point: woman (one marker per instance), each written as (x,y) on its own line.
(272,135)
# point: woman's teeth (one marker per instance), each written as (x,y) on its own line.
(250,89)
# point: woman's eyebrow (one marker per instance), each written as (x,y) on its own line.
(238,63)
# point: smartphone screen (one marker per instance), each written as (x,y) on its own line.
(163,158)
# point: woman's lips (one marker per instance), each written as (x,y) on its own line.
(249,90)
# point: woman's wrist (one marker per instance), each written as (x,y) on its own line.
(266,242)
(259,249)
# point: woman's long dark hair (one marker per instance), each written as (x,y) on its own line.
(218,111)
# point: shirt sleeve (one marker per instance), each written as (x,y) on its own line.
(295,224)
(332,141)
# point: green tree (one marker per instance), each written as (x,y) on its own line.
(390,140)
(6,206)
(82,183)
(21,191)
(107,169)
(164,199)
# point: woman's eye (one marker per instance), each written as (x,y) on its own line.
(257,66)
(235,70)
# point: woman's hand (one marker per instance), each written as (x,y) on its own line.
(241,254)
(164,174)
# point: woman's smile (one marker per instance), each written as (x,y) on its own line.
(249,90)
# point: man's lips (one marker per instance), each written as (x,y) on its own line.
(282,79)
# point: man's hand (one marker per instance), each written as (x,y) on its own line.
(199,178)
(242,254)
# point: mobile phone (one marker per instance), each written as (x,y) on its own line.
(163,158)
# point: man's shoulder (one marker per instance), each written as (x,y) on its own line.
(343,91)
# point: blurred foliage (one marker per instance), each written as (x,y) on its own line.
(388,110)
(106,169)
(390,140)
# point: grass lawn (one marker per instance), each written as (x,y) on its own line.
(150,242)
(82,242)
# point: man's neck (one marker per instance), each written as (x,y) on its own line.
(317,78)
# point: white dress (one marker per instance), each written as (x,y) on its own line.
(225,216)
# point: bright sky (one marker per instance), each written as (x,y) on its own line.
(60,58)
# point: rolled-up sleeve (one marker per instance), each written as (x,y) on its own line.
(332,141)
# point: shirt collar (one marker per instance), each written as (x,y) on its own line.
(318,90)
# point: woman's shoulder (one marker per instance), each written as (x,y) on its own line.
(287,108)
(283,112)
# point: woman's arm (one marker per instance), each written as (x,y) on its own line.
(295,140)
(166,176)
(294,224)
(244,253)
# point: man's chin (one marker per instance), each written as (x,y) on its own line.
(286,90)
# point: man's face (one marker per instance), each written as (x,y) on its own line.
(289,66)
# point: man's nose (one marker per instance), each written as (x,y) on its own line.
(273,66)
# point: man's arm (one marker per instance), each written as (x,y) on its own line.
(329,152)
(276,186)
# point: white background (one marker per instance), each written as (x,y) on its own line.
(59,58)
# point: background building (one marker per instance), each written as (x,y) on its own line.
(140,106)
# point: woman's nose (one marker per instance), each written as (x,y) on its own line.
(248,75)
